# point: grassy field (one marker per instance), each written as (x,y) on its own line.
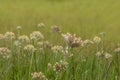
(32,52)
(84,17)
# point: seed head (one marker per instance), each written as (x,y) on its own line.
(24,39)
(29,47)
(38,76)
(97,39)
(9,35)
(36,35)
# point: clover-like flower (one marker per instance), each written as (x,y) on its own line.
(57,49)
(4,52)
(97,39)
(87,41)
(41,25)
(1,37)
(55,29)
(107,56)
(60,66)
(29,47)
(38,76)
(24,39)
(72,40)
(9,35)
(117,50)
(36,35)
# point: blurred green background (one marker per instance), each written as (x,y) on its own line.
(84,17)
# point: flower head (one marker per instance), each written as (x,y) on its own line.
(60,66)
(36,35)
(41,25)
(72,40)
(85,42)
(24,38)
(117,50)
(19,27)
(47,44)
(4,52)
(107,56)
(1,36)
(9,35)
(29,47)
(57,49)
(55,29)
(97,39)
(38,76)
(100,54)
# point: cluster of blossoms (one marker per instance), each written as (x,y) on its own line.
(60,66)
(57,49)
(1,36)
(97,39)
(44,44)
(19,27)
(4,52)
(38,76)
(117,50)
(41,25)
(36,35)
(29,47)
(105,55)
(86,42)
(9,35)
(55,29)
(24,39)
(72,40)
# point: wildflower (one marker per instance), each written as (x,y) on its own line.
(100,54)
(36,35)
(67,54)
(85,42)
(57,49)
(4,52)
(61,66)
(108,56)
(49,65)
(38,76)
(19,27)
(97,39)
(55,29)
(17,43)
(40,44)
(29,47)
(117,50)
(47,44)
(9,35)
(23,39)
(1,36)
(41,25)
(72,40)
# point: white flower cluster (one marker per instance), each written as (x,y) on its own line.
(24,39)
(72,40)
(29,47)
(36,35)
(38,76)
(57,49)
(9,35)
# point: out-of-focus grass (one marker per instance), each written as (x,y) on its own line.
(84,17)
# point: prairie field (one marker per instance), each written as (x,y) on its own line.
(59,40)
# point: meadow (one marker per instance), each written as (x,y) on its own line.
(59,40)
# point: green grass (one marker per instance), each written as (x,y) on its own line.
(84,17)
(82,62)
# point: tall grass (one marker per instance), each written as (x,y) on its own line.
(34,58)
